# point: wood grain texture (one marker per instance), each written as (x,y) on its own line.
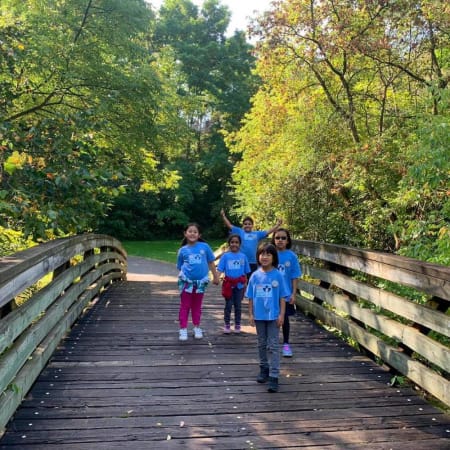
(121,379)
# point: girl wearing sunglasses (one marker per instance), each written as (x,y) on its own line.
(290,269)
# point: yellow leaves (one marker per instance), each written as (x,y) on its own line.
(443,232)
(171,179)
(148,187)
(150,160)
(166,179)
(16,161)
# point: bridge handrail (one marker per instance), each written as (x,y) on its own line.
(357,292)
(60,278)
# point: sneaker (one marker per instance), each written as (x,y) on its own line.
(198,333)
(226,329)
(287,352)
(237,329)
(183,334)
(273,384)
(263,376)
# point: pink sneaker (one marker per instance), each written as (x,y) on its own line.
(237,329)
(226,329)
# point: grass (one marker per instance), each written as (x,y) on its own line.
(161,250)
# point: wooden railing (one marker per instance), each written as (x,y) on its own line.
(43,290)
(395,308)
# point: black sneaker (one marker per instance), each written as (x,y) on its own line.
(273,384)
(263,376)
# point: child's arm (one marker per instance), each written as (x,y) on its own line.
(275,227)
(212,268)
(294,291)
(280,319)
(250,312)
(226,221)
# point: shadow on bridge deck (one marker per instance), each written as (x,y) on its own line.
(122,380)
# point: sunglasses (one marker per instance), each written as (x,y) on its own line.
(282,238)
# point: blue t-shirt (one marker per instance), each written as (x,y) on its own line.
(249,244)
(266,289)
(193,260)
(289,268)
(234,265)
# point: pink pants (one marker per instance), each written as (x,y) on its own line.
(193,302)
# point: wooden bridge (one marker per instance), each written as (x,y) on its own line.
(121,379)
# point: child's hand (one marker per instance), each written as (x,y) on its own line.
(216,278)
(280,320)
(251,321)
(292,300)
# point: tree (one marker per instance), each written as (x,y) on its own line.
(345,89)
(215,84)
(78,110)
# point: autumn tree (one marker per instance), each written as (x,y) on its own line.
(346,87)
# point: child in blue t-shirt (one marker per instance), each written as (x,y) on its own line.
(234,265)
(290,269)
(267,293)
(249,238)
(194,261)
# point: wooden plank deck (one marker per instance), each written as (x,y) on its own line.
(122,380)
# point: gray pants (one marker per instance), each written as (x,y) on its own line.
(268,346)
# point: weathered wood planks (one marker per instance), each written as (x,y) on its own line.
(121,379)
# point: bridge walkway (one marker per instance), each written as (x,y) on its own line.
(122,380)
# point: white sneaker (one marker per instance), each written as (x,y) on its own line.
(183,334)
(198,333)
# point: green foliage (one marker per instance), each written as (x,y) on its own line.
(112,118)
(423,199)
(80,104)
(347,138)
(13,387)
(399,380)
(211,76)
(143,216)
(117,119)
(12,242)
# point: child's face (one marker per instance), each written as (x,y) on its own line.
(192,234)
(280,239)
(266,260)
(234,245)
(247,226)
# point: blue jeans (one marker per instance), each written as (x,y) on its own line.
(268,346)
(236,301)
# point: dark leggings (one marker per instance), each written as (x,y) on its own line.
(286,329)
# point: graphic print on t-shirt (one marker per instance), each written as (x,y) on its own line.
(195,258)
(234,264)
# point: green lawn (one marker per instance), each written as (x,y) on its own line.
(161,250)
